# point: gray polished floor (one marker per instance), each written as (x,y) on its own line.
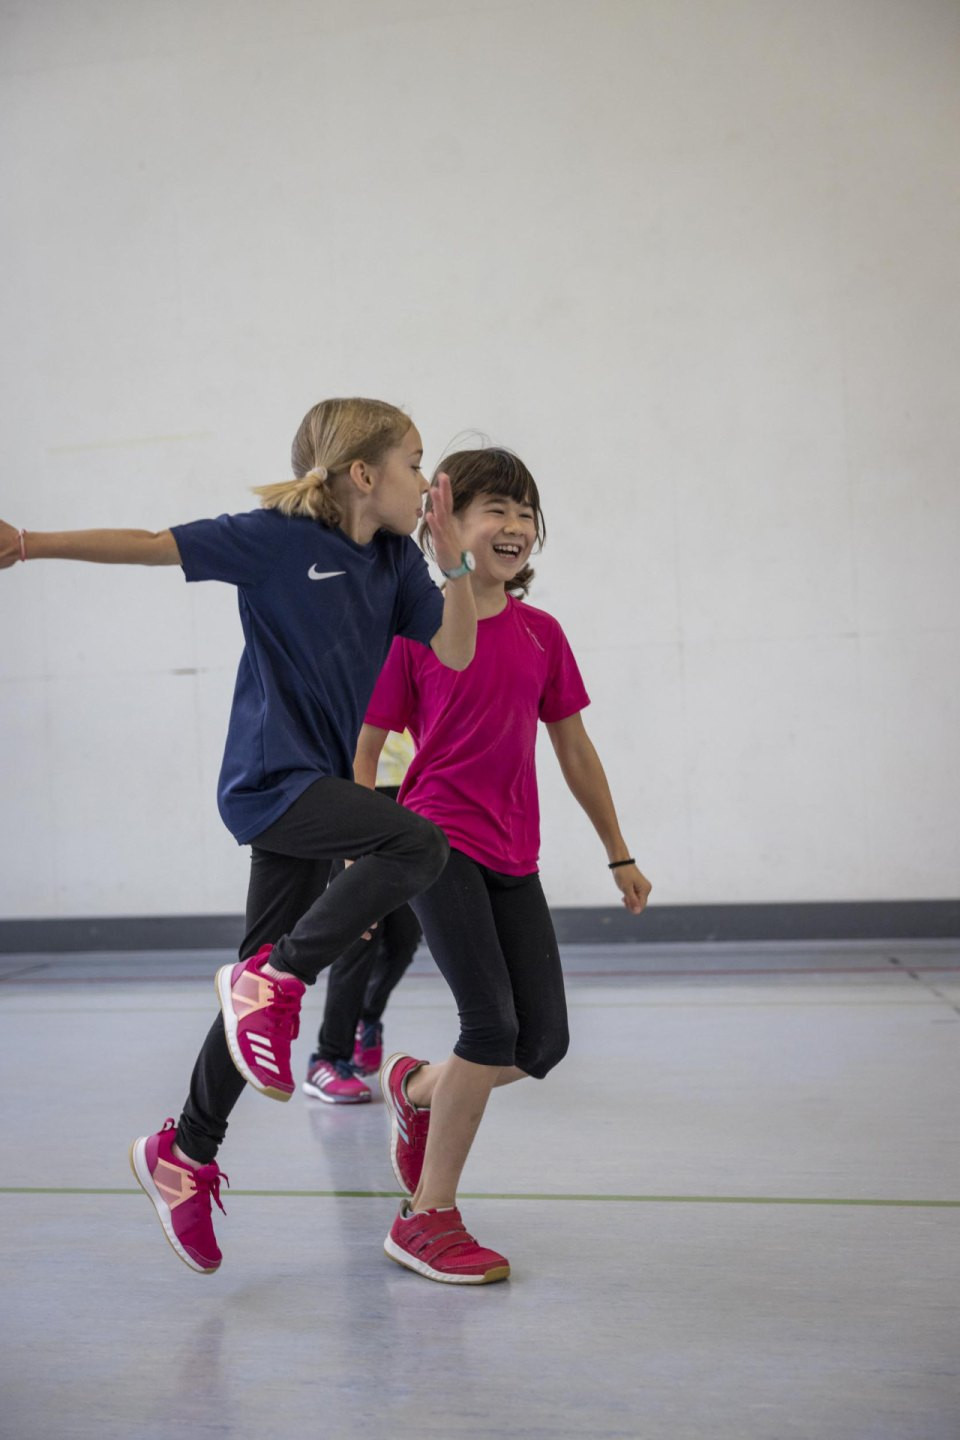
(734,1212)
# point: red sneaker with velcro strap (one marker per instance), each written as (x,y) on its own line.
(408,1124)
(261,1019)
(435,1243)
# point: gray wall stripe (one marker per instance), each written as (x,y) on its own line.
(836,920)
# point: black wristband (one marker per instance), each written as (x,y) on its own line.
(615,864)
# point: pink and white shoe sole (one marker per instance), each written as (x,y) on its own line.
(138,1164)
(317,1094)
(388,1100)
(224,986)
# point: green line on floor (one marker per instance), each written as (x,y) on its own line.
(524,1195)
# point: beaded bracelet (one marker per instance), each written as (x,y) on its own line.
(23,544)
(615,864)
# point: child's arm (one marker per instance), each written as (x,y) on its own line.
(369,745)
(587,782)
(456,640)
(106,547)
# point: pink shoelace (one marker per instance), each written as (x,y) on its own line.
(284,1012)
(209,1185)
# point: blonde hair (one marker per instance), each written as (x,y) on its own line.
(331,437)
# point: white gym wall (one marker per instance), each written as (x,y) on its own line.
(697,261)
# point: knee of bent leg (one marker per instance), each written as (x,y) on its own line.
(489,1036)
(538,1055)
(432,849)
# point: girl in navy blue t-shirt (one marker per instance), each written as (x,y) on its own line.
(326,575)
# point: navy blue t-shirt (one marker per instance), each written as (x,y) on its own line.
(318,612)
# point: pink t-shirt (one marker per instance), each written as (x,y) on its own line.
(474,773)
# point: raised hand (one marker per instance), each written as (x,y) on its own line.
(444,526)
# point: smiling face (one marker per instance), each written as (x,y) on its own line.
(399,486)
(501,533)
(496,501)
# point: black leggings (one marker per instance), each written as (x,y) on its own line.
(360,982)
(399,941)
(492,938)
(289,906)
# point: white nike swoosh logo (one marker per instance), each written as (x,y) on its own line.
(316,574)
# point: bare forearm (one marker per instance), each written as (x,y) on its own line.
(369,746)
(456,641)
(587,783)
(585,777)
(104,547)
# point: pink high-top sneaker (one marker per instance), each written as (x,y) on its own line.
(261,1017)
(181,1197)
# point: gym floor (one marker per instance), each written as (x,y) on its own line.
(734,1211)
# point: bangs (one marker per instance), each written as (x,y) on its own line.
(511,479)
(521,491)
(492,472)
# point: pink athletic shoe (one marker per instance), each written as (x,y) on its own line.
(335,1082)
(436,1244)
(408,1124)
(368,1048)
(181,1197)
(261,1017)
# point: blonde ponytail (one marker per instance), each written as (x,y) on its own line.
(310,496)
(331,437)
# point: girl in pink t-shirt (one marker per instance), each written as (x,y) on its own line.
(485,919)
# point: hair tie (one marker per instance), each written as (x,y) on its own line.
(317,474)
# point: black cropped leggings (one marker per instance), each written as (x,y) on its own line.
(289,906)
(493,940)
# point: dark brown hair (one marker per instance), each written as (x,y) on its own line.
(492,471)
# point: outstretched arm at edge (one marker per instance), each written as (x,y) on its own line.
(103,547)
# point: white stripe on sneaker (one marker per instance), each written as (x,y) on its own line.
(263,1053)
